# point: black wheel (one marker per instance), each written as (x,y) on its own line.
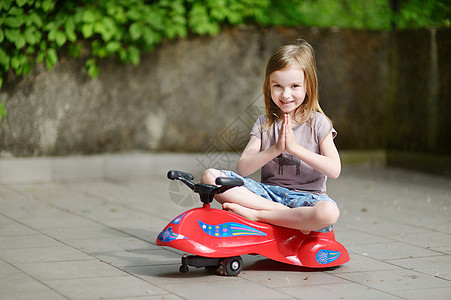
(233,265)
(184,268)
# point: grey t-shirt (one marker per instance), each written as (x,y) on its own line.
(286,170)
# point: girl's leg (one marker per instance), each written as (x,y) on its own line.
(306,218)
(240,195)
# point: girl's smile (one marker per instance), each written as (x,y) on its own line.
(286,102)
(288,89)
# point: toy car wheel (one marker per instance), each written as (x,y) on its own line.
(183,269)
(233,266)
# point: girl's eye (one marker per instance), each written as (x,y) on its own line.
(277,86)
(296,86)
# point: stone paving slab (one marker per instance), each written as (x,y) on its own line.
(65,236)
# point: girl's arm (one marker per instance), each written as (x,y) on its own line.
(328,162)
(252,159)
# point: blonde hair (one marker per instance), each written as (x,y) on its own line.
(299,54)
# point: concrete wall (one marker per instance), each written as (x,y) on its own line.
(382,90)
(419,106)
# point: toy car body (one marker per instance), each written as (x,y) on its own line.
(216,238)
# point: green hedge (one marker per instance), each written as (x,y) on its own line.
(34,30)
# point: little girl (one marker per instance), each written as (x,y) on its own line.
(293,145)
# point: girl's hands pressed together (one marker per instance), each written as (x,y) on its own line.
(281,142)
(287,141)
(290,140)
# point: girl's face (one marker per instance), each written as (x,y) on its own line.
(288,89)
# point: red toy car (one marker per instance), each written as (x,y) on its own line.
(217,238)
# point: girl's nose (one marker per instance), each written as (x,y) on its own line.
(286,93)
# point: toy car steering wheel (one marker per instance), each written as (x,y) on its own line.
(206,191)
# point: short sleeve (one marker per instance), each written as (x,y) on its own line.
(257,129)
(323,127)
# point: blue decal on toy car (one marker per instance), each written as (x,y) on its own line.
(326,256)
(168,235)
(230,229)
(178,219)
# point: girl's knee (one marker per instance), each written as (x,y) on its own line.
(210,175)
(327,212)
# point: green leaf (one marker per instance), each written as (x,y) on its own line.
(109,25)
(135,31)
(123,54)
(26,68)
(30,50)
(89,16)
(2,36)
(60,18)
(5,4)
(98,49)
(47,5)
(40,57)
(134,14)
(75,50)
(14,11)
(87,30)
(105,28)
(91,66)
(50,26)
(4,57)
(69,29)
(2,105)
(12,34)
(14,22)
(51,58)
(117,12)
(15,62)
(151,37)
(20,42)
(34,18)
(69,24)
(133,55)
(52,34)
(21,2)
(31,35)
(113,47)
(43,45)
(71,35)
(60,38)
(22,61)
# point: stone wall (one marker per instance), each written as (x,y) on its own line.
(381,90)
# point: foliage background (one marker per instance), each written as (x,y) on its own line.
(35,31)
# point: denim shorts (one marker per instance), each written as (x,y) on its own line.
(282,195)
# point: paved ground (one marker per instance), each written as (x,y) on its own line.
(94,238)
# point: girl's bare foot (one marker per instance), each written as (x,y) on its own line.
(248,213)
